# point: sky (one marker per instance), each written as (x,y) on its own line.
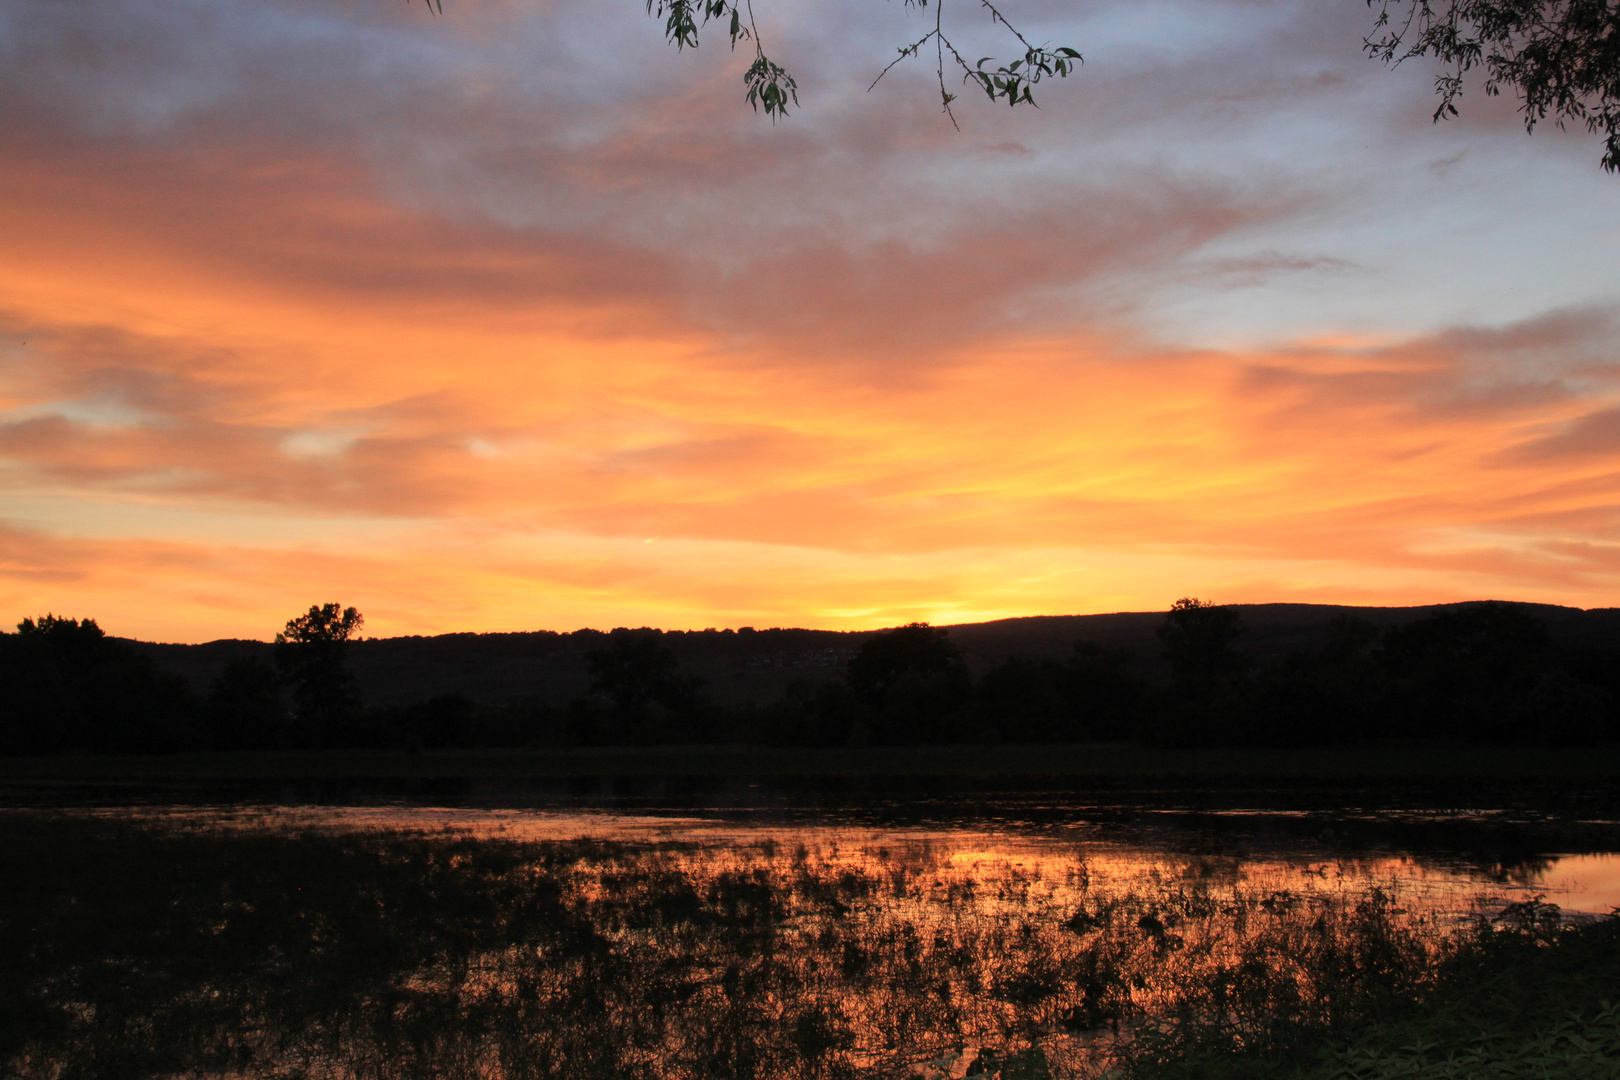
(514,317)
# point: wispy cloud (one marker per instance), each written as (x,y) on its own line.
(452,316)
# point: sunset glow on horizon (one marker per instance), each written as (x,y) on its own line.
(514,319)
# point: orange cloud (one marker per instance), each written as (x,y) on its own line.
(244,367)
(1069,474)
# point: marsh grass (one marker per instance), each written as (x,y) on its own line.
(163,950)
(1518,995)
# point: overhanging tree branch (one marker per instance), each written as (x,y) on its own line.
(1562,57)
(771,87)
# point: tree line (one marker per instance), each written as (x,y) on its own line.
(1488,673)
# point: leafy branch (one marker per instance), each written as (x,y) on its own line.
(1013,83)
(1562,56)
(769,85)
(772,88)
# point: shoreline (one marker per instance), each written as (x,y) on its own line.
(1098,761)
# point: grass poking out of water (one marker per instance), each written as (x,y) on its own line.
(1522,996)
(156,950)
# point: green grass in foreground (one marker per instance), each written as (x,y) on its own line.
(1098,760)
(1529,1000)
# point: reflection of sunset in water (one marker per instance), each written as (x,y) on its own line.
(682,946)
(1587,883)
(1584,884)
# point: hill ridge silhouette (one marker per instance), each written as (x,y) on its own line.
(546,666)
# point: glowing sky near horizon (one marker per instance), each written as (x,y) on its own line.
(515,318)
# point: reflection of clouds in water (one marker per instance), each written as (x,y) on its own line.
(1584,883)
(873,949)
(1086,863)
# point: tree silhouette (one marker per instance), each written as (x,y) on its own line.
(71,687)
(914,679)
(889,656)
(634,669)
(1198,639)
(311,652)
(637,670)
(1466,670)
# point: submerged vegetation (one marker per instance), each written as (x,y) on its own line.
(1523,994)
(164,949)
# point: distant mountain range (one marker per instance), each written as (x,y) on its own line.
(757,665)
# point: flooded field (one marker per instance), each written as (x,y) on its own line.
(1247,850)
(1027,936)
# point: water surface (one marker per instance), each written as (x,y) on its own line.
(679,930)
